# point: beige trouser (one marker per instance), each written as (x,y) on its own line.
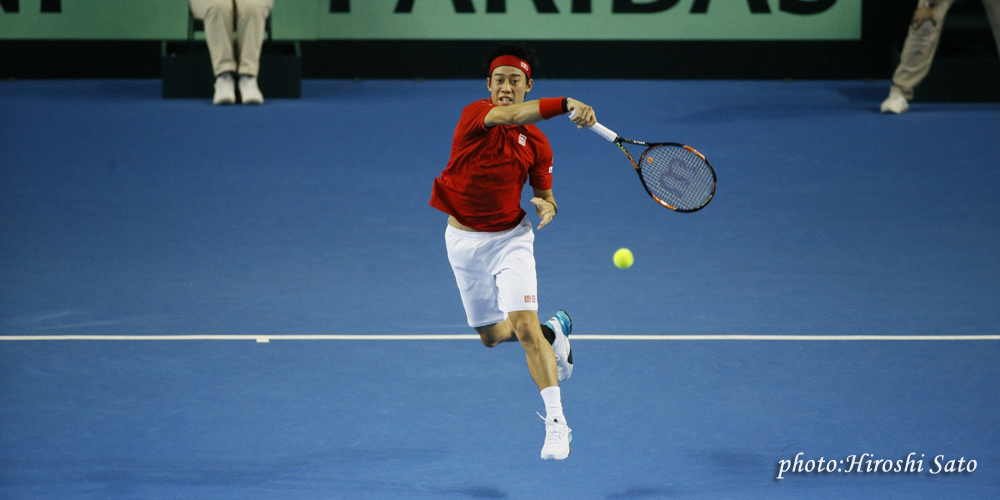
(251,17)
(922,41)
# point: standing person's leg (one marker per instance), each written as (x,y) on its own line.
(916,58)
(993,14)
(218,18)
(251,21)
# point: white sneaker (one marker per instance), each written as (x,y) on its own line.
(249,92)
(895,103)
(562,326)
(558,436)
(225,89)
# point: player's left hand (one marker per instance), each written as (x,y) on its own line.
(545,211)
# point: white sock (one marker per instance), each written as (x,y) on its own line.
(553,403)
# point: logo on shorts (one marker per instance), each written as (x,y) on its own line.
(522,140)
(529,299)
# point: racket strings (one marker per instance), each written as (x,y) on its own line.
(677,176)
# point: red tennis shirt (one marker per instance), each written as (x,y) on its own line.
(482,184)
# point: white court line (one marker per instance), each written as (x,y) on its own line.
(268,338)
(787,337)
(259,338)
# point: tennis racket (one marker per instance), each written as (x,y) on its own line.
(676,176)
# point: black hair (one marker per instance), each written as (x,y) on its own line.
(516,50)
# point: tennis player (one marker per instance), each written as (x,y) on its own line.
(490,242)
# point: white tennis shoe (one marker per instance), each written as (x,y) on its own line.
(558,436)
(225,89)
(249,91)
(562,326)
(895,103)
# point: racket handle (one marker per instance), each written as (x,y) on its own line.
(604,132)
(600,130)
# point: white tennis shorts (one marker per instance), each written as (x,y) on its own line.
(495,272)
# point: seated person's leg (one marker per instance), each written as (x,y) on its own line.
(218,17)
(251,19)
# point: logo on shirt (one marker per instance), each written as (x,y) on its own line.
(529,299)
(522,139)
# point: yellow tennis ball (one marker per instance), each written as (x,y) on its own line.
(623,258)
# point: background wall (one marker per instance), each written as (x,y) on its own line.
(747,39)
(456,20)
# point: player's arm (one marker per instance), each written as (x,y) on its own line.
(530,112)
(524,113)
(545,205)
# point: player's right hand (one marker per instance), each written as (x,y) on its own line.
(581,114)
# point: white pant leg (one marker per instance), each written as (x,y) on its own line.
(918,51)
(251,23)
(993,14)
(218,18)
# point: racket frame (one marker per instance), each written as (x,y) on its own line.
(611,136)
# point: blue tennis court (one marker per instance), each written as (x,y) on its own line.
(272,278)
